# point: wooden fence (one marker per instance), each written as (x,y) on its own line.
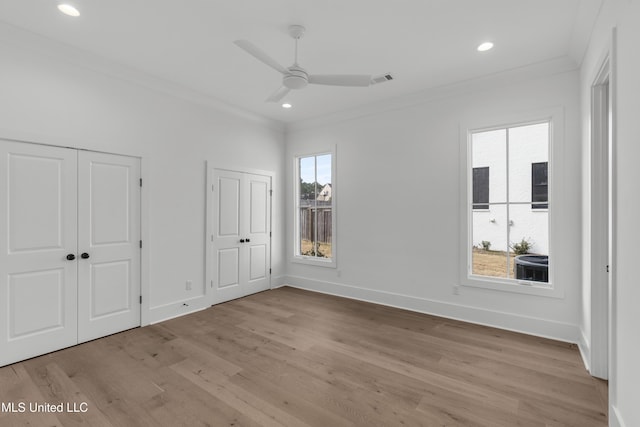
(308,222)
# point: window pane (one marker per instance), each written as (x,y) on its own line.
(307,180)
(490,252)
(489,151)
(527,145)
(315,207)
(530,241)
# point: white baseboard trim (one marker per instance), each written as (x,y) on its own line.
(176,309)
(585,350)
(615,419)
(507,321)
(277,282)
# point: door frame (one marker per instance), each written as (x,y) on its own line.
(602,224)
(209,227)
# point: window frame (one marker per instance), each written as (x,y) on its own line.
(555,117)
(296,256)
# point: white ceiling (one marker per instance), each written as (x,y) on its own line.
(423,43)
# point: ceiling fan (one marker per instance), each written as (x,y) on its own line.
(296,77)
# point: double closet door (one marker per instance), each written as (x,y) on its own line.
(69,255)
(239,224)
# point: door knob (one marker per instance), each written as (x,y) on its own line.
(247,240)
(241,240)
(71,257)
(84,255)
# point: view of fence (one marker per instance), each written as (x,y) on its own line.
(319,215)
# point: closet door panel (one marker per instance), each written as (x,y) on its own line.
(109,244)
(38,238)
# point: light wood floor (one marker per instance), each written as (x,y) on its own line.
(294,358)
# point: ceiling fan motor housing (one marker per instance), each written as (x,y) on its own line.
(297,78)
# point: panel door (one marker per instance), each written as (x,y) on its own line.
(108,244)
(37,232)
(228,205)
(240,240)
(257,220)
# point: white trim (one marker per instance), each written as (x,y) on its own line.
(501,79)
(600,214)
(615,419)
(508,321)
(585,350)
(555,116)
(301,259)
(46,47)
(177,309)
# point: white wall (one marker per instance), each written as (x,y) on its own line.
(624,377)
(48,95)
(397,240)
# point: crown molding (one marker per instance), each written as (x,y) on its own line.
(45,47)
(504,78)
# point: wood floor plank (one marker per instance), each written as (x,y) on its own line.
(289,357)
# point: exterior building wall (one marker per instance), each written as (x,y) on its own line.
(527,145)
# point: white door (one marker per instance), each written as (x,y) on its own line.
(108,244)
(240,224)
(38,254)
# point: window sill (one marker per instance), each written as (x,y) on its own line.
(513,286)
(319,262)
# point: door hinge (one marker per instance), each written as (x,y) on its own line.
(213,187)
(269,271)
(271,192)
(140,299)
(140,244)
(607,268)
(140,182)
(212,237)
(270,235)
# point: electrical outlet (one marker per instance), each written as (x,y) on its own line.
(189,284)
(339,273)
(456,290)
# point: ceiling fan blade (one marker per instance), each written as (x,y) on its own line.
(278,94)
(257,53)
(341,79)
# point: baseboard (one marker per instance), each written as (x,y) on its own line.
(507,321)
(615,419)
(277,282)
(176,309)
(585,350)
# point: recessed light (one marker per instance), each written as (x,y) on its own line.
(286,105)
(67,9)
(485,46)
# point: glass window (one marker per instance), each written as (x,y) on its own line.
(508,238)
(315,208)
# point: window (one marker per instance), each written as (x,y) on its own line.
(539,186)
(315,208)
(509,232)
(481,188)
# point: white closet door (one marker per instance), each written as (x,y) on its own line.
(257,234)
(108,244)
(240,240)
(38,231)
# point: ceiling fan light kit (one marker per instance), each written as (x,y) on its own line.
(295,77)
